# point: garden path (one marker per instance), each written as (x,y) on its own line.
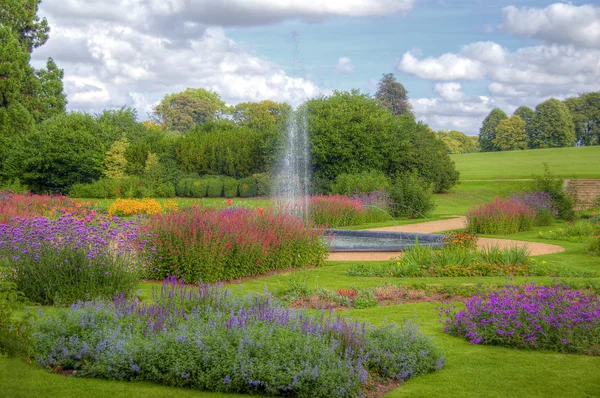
(535,248)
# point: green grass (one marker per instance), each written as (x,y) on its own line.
(569,163)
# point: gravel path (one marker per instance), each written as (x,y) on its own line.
(535,248)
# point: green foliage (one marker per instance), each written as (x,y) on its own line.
(21,17)
(230,187)
(392,95)
(14,335)
(111,188)
(198,188)
(62,151)
(487,132)
(261,115)
(264,184)
(585,110)
(366,181)
(115,161)
(552,125)
(51,100)
(411,196)
(14,62)
(248,187)
(214,187)
(510,134)
(181,111)
(554,186)
(579,231)
(457,142)
(526,114)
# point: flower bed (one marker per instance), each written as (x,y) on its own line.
(32,206)
(336,210)
(536,317)
(501,217)
(130,207)
(203,338)
(69,259)
(541,203)
(219,245)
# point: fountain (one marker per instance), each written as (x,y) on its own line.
(292,187)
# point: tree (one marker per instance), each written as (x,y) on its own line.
(457,142)
(526,114)
(585,110)
(553,125)
(487,132)
(51,99)
(261,115)
(510,134)
(62,151)
(13,63)
(181,111)
(392,95)
(20,16)
(115,161)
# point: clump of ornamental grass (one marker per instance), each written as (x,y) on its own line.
(336,210)
(69,259)
(534,317)
(205,338)
(221,245)
(501,217)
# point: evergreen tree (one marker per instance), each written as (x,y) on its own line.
(51,100)
(20,16)
(526,114)
(553,125)
(487,132)
(392,95)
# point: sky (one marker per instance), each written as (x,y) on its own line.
(458,59)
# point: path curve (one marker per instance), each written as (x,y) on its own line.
(535,248)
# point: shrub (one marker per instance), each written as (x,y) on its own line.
(198,188)
(65,260)
(216,245)
(367,181)
(535,317)
(263,184)
(411,196)
(500,217)
(205,338)
(214,187)
(554,186)
(248,187)
(541,202)
(164,190)
(336,210)
(230,187)
(101,189)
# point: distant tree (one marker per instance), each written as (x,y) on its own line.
(510,134)
(51,99)
(526,114)
(487,132)
(585,110)
(553,125)
(392,95)
(456,141)
(261,115)
(20,16)
(181,111)
(115,161)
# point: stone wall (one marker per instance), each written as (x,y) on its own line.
(585,192)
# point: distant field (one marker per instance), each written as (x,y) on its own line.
(569,163)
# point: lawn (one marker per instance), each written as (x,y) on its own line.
(568,163)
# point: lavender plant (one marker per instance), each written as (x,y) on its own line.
(541,203)
(204,338)
(69,259)
(530,316)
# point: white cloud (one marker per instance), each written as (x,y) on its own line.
(449,91)
(446,67)
(558,23)
(344,65)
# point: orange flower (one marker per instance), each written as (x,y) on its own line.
(260,210)
(229,202)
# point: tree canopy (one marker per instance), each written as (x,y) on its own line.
(553,125)
(181,111)
(510,134)
(392,95)
(487,133)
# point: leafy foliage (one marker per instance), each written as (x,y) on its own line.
(367,181)
(552,125)
(585,110)
(411,196)
(181,111)
(392,95)
(554,186)
(457,142)
(487,132)
(510,134)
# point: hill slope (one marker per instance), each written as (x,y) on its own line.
(569,163)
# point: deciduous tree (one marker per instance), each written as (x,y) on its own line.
(510,134)
(181,111)
(487,132)
(553,125)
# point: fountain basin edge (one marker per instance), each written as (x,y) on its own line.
(379,241)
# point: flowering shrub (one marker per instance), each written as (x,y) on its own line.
(129,207)
(541,203)
(68,259)
(205,338)
(32,206)
(378,204)
(501,217)
(538,317)
(217,245)
(336,210)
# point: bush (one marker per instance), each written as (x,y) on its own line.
(248,187)
(65,260)
(164,190)
(367,181)
(411,196)
(541,202)
(230,187)
(264,185)
(500,217)
(198,188)
(336,211)
(101,189)
(205,338)
(536,317)
(214,187)
(220,245)
(554,186)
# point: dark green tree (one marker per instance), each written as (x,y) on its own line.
(553,125)
(392,95)
(526,114)
(585,110)
(51,100)
(13,63)
(487,132)
(21,17)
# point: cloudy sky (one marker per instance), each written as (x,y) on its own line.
(457,58)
